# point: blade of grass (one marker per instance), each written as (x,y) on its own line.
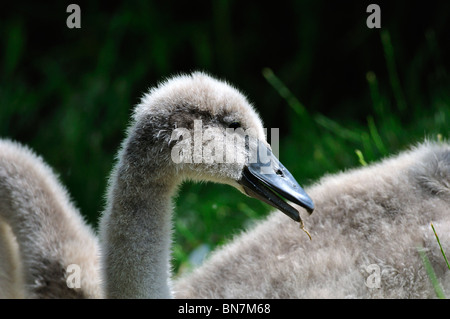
(337,129)
(392,70)
(440,246)
(431,274)
(368,146)
(361,157)
(376,136)
(285,93)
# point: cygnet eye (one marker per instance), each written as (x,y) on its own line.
(234,125)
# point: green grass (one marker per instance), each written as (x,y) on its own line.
(429,268)
(440,246)
(431,274)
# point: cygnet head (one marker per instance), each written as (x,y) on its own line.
(197,127)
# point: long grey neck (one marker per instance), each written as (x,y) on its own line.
(136,231)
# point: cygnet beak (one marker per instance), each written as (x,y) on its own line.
(263,180)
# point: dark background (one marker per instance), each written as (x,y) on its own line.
(321,49)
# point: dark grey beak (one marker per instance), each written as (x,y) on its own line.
(264,179)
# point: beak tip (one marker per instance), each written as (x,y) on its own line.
(311,207)
(306,202)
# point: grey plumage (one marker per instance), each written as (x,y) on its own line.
(377,215)
(41,232)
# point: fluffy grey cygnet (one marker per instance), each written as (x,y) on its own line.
(367,221)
